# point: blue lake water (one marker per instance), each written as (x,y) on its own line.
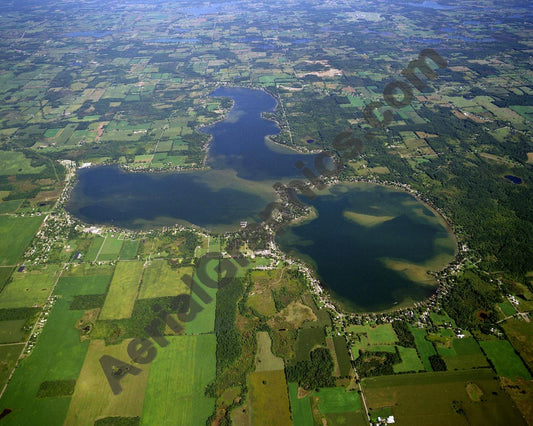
(238,185)
(372,245)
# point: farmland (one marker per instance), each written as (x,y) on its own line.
(265,360)
(269,389)
(29,288)
(59,355)
(505,360)
(8,356)
(11,331)
(129,249)
(86,405)
(160,280)
(17,232)
(110,248)
(127,88)
(520,334)
(178,375)
(429,398)
(204,320)
(122,290)
(424,347)
(300,407)
(84,285)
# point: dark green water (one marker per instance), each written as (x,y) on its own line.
(351,258)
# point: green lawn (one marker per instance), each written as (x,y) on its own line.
(505,360)
(374,335)
(176,383)
(440,319)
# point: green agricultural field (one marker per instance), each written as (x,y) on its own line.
(520,334)
(58,355)
(9,206)
(526,111)
(94,249)
(468,355)
(11,331)
(213,245)
(380,348)
(377,335)
(5,273)
(440,398)
(164,146)
(110,249)
(176,384)
(424,347)
(343,357)
(8,357)
(349,418)
(300,407)
(72,286)
(29,288)
(337,400)
(268,389)
(265,360)
(204,319)
(505,360)
(507,308)
(160,280)
(122,291)
(129,250)
(88,270)
(307,340)
(93,398)
(15,235)
(440,319)
(410,361)
(15,163)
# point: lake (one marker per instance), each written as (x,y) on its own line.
(370,245)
